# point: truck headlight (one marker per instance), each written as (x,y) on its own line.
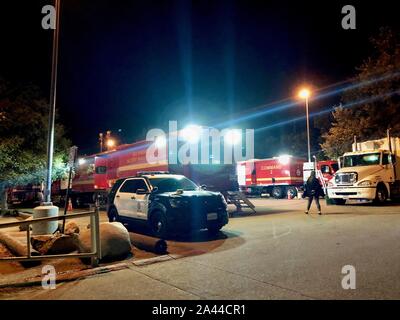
(365,183)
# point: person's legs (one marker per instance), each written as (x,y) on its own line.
(309,203)
(318,205)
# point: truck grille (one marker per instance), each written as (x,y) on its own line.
(346,178)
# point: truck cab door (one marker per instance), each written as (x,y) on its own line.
(387,162)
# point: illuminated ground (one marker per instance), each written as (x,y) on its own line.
(278,253)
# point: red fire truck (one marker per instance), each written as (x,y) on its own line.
(96,174)
(278,176)
(327,168)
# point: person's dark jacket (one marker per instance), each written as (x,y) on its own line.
(313,188)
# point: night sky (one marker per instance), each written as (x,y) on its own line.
(134,65)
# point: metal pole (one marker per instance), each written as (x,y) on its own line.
(308,132)
(53,94)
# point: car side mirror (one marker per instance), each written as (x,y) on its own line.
(141,191)
(203,187)
(154,190)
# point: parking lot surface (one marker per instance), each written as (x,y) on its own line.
(277,253)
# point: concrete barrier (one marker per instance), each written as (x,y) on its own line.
(47,227)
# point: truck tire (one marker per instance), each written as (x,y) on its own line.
(292,191)
(381,194)
(278,192)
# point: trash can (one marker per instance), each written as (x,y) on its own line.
(47,227)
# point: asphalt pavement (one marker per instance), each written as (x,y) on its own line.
(277,253)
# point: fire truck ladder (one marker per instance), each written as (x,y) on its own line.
(240,201)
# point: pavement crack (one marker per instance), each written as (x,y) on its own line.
(254,279)
(167,283)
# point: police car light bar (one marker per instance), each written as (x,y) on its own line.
(141,173)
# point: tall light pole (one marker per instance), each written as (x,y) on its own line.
(52,113)
(305,94)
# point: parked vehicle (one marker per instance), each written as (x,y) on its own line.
(96,174)
(24,195)
(325,170)
(370,172)
(280,176)
(276,176)
(167,203)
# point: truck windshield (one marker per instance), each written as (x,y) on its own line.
(367,159)
(173,184)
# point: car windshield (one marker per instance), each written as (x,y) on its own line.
(361,160)
(172,184)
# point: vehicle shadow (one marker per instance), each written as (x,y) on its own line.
(195,236)
(248,213)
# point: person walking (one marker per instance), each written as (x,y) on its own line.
(313,190)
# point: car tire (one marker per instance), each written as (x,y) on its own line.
(158,224)
(113,215)
(214,230)
(277,192)
(381,194)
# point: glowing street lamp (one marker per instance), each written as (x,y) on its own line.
(305,94)
(233,136)
(110,143)
(191,133)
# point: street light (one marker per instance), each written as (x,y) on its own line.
(305,94)
(191,133)
(110,143)
(233,136)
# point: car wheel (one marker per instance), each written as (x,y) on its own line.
(113,214)
(277,192)
(381,194)
(213,230)
(159,224)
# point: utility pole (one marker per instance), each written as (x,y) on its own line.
(46,209)
(53,94)
(101,140)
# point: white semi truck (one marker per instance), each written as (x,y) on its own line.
(370,172)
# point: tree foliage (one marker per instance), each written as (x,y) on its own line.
(371,105)
(23,136)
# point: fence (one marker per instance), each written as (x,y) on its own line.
(94,255)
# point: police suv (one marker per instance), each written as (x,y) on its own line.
(168,203)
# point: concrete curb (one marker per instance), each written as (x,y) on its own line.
(68,276)
(75,275)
